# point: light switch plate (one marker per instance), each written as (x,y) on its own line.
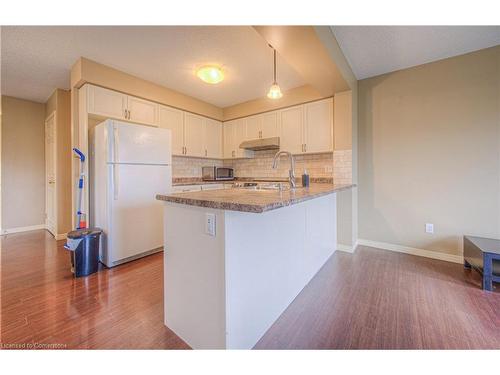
(429,228)
(210,224)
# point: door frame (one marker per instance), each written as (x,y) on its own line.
(54,119)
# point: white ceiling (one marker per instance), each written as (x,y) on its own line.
(36,60)
(375,50)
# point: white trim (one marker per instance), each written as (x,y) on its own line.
(23,229)
(347,248)
(413,251)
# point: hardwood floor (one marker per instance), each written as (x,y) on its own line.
(372,299)
(115,308)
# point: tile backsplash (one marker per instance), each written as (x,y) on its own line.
(336,164)
(318,165)
(183,166)
(342,166)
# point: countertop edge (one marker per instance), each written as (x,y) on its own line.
(248,207)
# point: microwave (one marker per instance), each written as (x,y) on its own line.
(216,173)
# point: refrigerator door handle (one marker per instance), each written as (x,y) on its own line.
(116,181)
(115,144)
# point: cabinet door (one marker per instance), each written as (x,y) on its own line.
(240,135)
(269,127)
(173,119)
(228,134)
(193,135)
(291,129)
(213,138)
(106,103)
(318,126)
(254,127)
(142,111)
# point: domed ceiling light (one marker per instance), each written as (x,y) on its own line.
(210,74)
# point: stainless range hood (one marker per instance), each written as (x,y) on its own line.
(261,144)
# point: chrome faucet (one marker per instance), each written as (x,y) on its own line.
(291,172)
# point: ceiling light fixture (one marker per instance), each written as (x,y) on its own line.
(274,91)
(210,74)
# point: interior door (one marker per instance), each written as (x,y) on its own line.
(173,119)
(213,138)
(136,215)
(291,130)
(142,111)
(50,174)
(318,127)
(193,135)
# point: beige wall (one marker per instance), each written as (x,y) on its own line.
(342,120)
(290,98)
(23,163)
(60,102)
(429,144)
(85,70)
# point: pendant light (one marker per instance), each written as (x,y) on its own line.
(274,91)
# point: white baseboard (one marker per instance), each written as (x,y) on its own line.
(23,229)
(347,248)
(412,251)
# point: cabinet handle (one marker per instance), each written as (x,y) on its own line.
(205,152)
(232,154)
(305,147)
(125,111)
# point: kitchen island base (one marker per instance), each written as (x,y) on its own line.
(226,290)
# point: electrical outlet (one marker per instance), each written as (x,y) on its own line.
(210,224)
(429,228)
(328,169)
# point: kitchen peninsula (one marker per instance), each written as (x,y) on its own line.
(236,258)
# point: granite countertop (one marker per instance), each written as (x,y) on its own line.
(247,200)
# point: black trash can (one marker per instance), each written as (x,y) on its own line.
(84,247)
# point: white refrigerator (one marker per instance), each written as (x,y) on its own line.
(130,164)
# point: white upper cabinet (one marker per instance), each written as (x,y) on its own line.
(318,126)
(213,138)
(173,119)
(228,134)
(269,127)
(193,135)
(264,125)
(106,103)
(142,111)
(292,129)
(254,127)
(235,132)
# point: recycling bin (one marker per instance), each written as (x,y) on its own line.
(84,247)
